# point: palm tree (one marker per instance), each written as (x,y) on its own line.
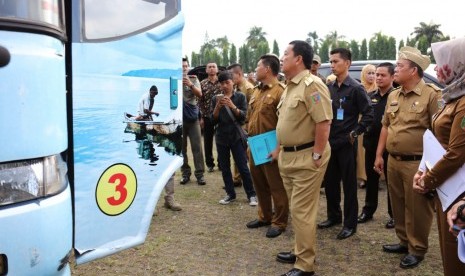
(334,40)
(314,40)
(222,43)
(430,31)
(256,35)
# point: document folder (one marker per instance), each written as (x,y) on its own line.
(261,146)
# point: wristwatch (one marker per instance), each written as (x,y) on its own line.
(353,134)
(460,214)
(316,156)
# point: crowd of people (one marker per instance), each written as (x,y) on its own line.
(333,133)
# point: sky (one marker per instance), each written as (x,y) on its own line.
(289,20)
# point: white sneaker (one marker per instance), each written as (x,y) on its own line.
(226,200)
(253,201)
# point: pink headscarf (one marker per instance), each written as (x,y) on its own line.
(450,60)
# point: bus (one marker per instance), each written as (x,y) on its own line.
(78,179)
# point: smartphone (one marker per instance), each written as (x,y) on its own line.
(456,228)
(219,97)
(173,93)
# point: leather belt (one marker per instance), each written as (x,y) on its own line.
(407,157)
(300,147)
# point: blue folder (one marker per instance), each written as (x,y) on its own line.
(261,146)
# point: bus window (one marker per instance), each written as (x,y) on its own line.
(32,11)
(101,16)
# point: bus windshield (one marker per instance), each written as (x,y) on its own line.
(44,12)
(131,16)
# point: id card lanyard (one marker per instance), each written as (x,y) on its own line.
(340,110)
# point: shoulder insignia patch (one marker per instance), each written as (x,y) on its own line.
(462,124)
(441,104)
(315,96)
(432,85)
(308,80)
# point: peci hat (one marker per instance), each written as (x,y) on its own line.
(317,58)
(414,55)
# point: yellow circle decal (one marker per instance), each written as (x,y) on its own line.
(116,189)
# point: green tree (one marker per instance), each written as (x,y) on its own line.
(364,50)
(233,54)
(225,57)
(335,40)
(423,45)
(391,50)
(314,41)
(256,35)
(195,59)
(244,57)
(430,31)
(324,51)
(401,44)
(275,48)
(355,49)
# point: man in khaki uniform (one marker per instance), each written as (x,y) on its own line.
(304,119)
(262,118)
(408,114)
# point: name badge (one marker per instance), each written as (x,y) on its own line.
(340,114)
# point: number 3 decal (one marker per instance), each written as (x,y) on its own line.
(116,189)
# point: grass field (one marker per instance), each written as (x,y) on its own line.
(207,238)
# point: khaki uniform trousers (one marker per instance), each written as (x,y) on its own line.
(448,244)
(169,190)
(361,173)
(412,212)
(270,189)
(302,181)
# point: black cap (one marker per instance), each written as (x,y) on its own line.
(154,88)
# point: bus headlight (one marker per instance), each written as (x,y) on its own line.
(32,179)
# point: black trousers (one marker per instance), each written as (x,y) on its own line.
(208,133)
(372,183)
(342,167)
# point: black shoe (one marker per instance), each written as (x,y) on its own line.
(410,261)
(257,223)
(346,232)
(364,218)
(210,169)
(298,272)
(201,181)
(328,223)
(286,257)
(273,232)
(395,248)
(390,224)
(184,180)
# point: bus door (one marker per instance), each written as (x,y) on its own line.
(123,156)
(35,198)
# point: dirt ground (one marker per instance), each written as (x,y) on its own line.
(207,238)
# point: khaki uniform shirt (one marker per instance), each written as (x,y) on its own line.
(246,88)
(305,102)
(449,129)
(262,109)
(408,114)
(187,93)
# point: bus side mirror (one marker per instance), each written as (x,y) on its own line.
(4,56)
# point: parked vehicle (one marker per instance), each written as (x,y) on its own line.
(73,181)
(356,68)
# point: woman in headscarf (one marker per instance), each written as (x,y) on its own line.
(368,80)
(449,128)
